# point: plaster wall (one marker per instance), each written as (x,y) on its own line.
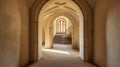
(9,33)
(29,3)
(106,30)
(100,17)
(113,34)
(92,3)
(24,33)
(14,33)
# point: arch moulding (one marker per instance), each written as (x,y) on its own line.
(88,29)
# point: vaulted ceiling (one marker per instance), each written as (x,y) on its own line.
(59,8)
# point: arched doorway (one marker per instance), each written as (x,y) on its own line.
(87,38)
(62,30)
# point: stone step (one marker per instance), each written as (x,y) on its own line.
(59,39)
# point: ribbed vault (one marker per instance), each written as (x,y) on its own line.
(43,14)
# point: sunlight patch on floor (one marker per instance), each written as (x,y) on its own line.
(56,51)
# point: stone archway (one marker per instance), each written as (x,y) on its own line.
(75,41)
(88,29)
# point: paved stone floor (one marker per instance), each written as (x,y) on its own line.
(61,56)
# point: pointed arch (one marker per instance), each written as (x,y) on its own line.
(88,29)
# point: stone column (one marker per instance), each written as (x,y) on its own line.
(48,44)
(75,38)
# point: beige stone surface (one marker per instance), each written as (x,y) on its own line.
(74,14)
(24,33)
(61,56)
(100,33)
(19,37)
(106,33)
(113,34)
(14,33)
(9,33)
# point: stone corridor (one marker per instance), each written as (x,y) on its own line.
(90,26)
(61,56)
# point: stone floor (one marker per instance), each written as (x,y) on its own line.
(61,56)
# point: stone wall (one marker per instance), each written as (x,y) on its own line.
(113,34)
(106,33)
(10,24)
(14,32)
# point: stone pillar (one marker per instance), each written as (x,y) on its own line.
(48,44)
(75,38)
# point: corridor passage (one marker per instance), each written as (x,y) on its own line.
(61,56)
(60,39)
